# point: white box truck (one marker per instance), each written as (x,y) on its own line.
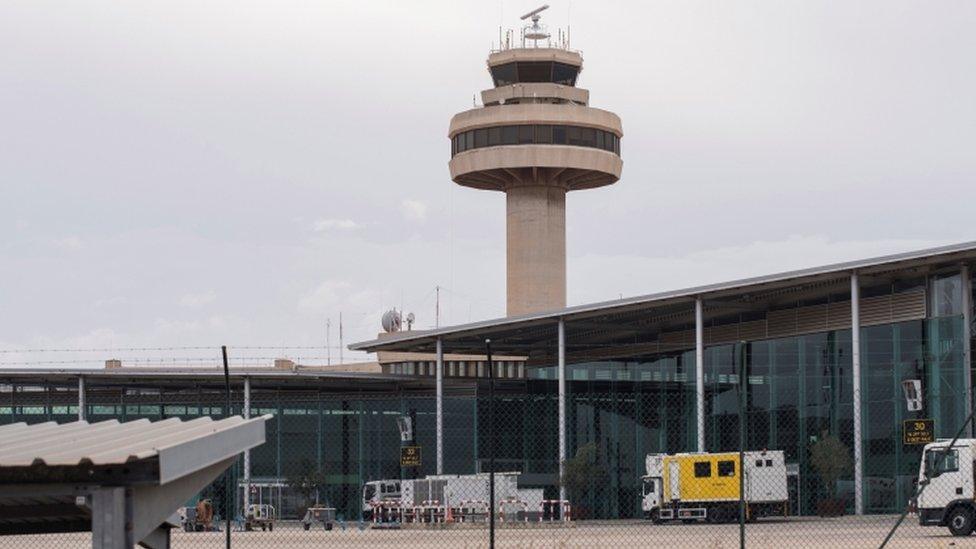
(946,486)
(449,491)
(695,487)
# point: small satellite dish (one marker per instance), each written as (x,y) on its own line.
(391,321)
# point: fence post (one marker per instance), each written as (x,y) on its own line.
(81,398)
(247,453)
(440,405)
(856,389)
(743,387)
(227,479)
(491,447)
(700,373)
(561,365)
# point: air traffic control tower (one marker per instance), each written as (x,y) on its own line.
(535,139)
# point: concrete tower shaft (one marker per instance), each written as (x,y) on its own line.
(535,139)
(536,251)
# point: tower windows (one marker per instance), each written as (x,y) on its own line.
(510,135)
(574,135)
(564,74)
(494,136)
(534,71)
(587,137)
(480,138)
(559,135)
(543,134)
(535,134)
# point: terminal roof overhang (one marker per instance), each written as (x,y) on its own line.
(534,335)
(202,377)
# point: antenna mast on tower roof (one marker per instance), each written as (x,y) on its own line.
(535,31)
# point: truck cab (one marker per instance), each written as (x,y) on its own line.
(947,490)
(377,492)
(651,495)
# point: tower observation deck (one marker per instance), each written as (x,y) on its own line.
(535,139)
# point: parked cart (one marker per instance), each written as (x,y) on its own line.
(324,515)
(199,518)
(260,515)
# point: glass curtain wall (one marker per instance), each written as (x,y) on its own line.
(800,391)
(617,413)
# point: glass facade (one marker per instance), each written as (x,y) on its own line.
(799,390)
(535,134)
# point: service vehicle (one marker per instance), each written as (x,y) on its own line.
(946,494)
(199,518)
(448,492)
(260,515)
(326,516)
(695,487)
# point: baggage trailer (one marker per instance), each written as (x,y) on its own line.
(694,487)
(326,516)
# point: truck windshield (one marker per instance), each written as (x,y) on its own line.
(938,461)
(648,486)
(368,492)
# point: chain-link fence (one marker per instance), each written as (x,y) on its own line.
(367,469)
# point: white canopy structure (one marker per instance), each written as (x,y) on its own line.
(119,480)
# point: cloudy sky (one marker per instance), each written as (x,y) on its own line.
(179,174)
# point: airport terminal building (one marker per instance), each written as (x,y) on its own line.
(656,373)
(660,373)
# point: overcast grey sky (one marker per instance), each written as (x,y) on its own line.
(203,172)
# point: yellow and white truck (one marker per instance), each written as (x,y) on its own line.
(705,487)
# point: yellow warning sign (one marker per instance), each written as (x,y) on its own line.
(410,456)
(919,431)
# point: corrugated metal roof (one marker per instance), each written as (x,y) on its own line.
(111,442)
(403,341)
(54,477)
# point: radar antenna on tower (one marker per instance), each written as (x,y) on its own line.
(535,31)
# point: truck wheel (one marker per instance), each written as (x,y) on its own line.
(271,527)
(306,525)
(655,516)
(960,521)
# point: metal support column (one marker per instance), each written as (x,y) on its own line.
(561,367)
(700,373)
(110,515)
(856,385)
(247,453)
(967,324)
(440,407)
(81,398)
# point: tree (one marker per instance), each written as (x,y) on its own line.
(583,471)
(306,481)
(831,459)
